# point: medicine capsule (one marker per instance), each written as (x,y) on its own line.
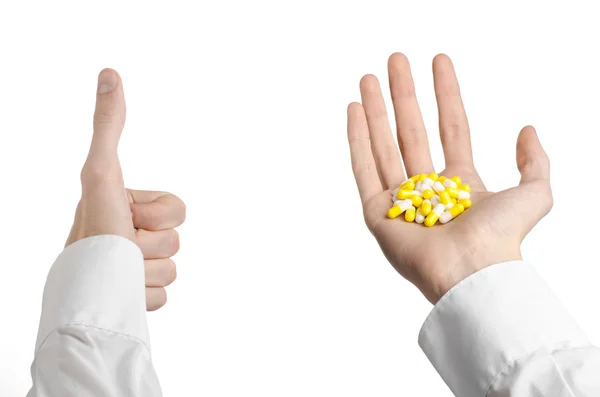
(465,203)
(398,208)
(442,179)
(450,205)
(422,177)
(419,218)
(452,213)
(450,183)
(407,185)
(419,186)
(395,192)
(404,194)
(426,207)
(457,180)
(458,194)
(416,200)
(414,178)
(438,187)
(433,176)
(410,214)
(465,187)
(434,215)
(435,200)
(444,197)
(427,192)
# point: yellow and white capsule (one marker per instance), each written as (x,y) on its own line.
(422,177)
(404,194)
(426,207)
(399,207)
(435,200)
(450,183)
(444,198)
(417,200)
(419,218)
(457,193)
(419,186)
(407,185)
(414,178)
(426,190)
(465,187)
(434,177)
(442,179)
(434,215)
(465,203)
(452,213)
(410,214)
(438,187)
(450,205)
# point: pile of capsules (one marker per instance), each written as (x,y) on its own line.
(429,198)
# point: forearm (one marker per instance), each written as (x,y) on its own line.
(93,335)
(502,332)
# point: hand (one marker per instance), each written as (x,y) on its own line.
(147,218)
(491,231)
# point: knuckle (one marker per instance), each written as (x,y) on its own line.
(364,167)
(173,240)
(451,130)
(170,270)
(100,170)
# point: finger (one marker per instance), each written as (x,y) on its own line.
(160,272)
(155,298)
(156,210)
(412,136)
(532,160)
(109,117)
(363,163)
(383,146)
(454,126)
(157,245)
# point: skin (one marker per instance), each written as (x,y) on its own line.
(147,218)
(490,232)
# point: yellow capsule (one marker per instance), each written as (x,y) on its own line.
(434,215)
(442,179)
(408,185)
(394,212)
(456,210)
(453,201)
(405,194)
(416,200)
(426,207)
(444,197)
(422,177)
(427,193)
(465,187)
(410,214)
(453,192)
(433,176)
(457,180)
(414,178)
(465,202)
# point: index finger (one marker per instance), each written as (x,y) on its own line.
(155,210)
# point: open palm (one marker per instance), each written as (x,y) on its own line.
(491,231)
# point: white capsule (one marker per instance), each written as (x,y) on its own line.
(450,183)
(438,187)
(462,194)
(445,217)
(417,193)
(420,218)
(403,204)
(428,181)
(439,209)
(435,200)
(418,186)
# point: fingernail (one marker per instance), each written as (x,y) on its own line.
(107,81)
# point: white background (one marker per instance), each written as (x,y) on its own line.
(239,108)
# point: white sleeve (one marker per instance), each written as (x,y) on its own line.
(93,335)
(502,333)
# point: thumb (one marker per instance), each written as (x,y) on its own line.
(532,160)
(109,117)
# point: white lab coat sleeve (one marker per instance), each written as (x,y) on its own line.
(501,332)
(93,335)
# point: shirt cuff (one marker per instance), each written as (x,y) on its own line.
(489,320)
(96,282)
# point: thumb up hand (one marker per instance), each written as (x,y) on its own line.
(148,218)
(104,206)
